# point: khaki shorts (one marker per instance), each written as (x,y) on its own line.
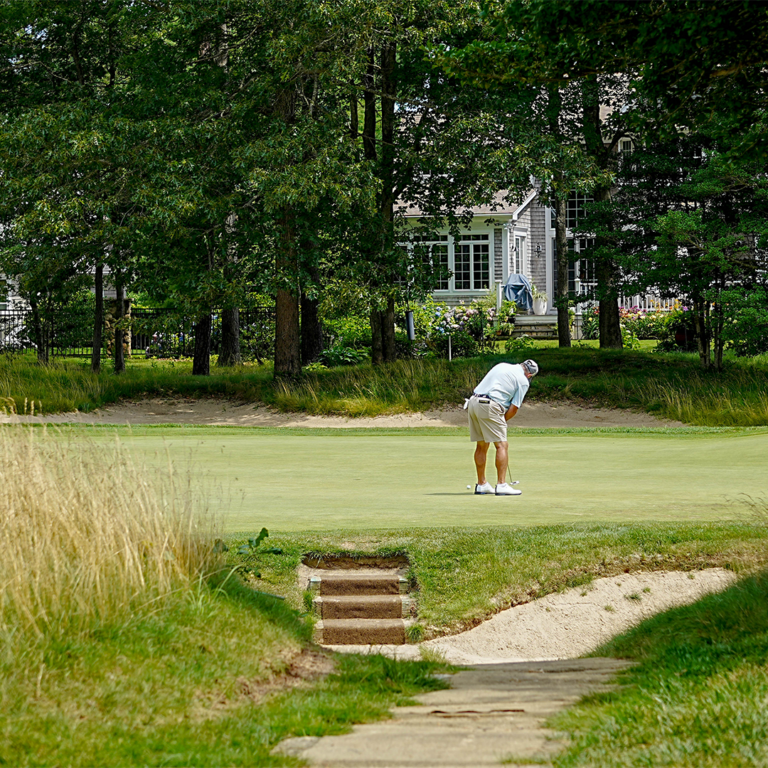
(486,421)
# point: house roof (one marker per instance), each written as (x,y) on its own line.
(499,207)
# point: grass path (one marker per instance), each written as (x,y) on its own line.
(300,481)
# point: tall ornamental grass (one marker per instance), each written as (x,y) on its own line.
(88,539)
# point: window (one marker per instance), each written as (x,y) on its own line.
(518,256)
(471,260)
(581,271)
(462,265)
(440,261)
(575,208)
(433,252)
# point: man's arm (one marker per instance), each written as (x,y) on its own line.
(511,412)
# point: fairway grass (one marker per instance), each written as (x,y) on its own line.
(302,480)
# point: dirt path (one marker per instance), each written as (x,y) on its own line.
(216,412)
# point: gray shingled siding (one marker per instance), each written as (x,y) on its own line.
(498,266)
(524,223)
(538,260)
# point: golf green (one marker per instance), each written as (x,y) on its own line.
(309,481)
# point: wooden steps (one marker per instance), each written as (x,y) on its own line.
(360,607)
(535,327)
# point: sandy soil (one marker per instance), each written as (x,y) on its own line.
(571,623)
(215,412)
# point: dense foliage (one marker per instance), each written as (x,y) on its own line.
(200,151)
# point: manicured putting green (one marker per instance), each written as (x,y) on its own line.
(294,481)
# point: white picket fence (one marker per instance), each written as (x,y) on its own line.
(647,303)
(640,302)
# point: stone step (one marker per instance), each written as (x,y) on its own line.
(535,332)
(361,607)
(358,583)
(360,632)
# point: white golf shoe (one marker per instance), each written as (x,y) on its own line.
(505,489)
(485,488)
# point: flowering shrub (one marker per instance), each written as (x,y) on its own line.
(590,323)
(645,324)
(471,328)
(679,333)
(636,324)
(480,321)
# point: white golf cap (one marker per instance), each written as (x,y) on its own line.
(531,366)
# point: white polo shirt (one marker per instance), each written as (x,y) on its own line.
(505,383)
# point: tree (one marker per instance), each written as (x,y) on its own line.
(583,115)
(689,221)
(63,194)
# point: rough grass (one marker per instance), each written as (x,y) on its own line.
(123,643)
(462,576)
(670,385)
(88,538)
(697,697)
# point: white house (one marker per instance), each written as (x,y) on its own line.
(502,239)
(506,238)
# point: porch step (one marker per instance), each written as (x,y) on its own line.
(535,326)
(547,331)
(360,632)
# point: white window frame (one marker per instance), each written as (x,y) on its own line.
(520,250)
(581,287)
(471,239)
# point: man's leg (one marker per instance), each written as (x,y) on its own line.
(502,460)
(481,454)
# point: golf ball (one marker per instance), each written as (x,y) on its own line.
(468,487)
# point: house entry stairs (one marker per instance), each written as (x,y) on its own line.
(535,326)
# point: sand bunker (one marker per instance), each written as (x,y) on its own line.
(216,412)
(577,621)
(569,624)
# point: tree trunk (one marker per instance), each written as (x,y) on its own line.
(608,289)
(700,308)
(717,335)
(229,352)
(369,109)
(388,332)
(287,335)
(98,317)
(201,361)
(718,325)
(605,268)
(39,330)
(311,325)
(377,342)
(561,251)
(119,330)
(388,98)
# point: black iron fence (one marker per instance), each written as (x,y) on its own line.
(161,333)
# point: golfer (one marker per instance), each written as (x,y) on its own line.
(494,402)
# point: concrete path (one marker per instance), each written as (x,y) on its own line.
(493,713)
